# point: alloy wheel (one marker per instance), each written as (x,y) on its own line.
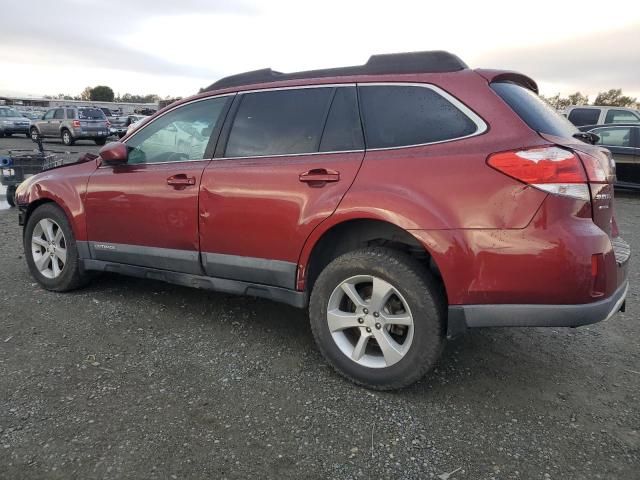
(370,321)
(49,248)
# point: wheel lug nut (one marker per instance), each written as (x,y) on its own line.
(378,326)
(361,320)
(368,329)
(365,311)
(376,314)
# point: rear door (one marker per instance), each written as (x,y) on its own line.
(285,160)
(56,122)
(145,212)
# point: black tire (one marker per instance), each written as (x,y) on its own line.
(67,137)
(28,135)
(71,276)
(100,141)
(423,295)
(8,134)
(11,195)
(34,134)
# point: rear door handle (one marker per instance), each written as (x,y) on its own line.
(320,175)
(181,180)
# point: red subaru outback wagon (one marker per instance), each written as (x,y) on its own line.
(401,201)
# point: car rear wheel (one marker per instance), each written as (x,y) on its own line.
(67,138)
(100,141)
(51,250)
(378,317)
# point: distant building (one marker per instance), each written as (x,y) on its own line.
(44,103)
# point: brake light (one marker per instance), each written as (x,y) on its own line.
(552,169)
(76,123)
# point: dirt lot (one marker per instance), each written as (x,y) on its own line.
(136,379)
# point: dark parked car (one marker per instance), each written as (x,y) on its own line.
(71,124)
(581,115)
(623,140)
(12,121)
(401,202)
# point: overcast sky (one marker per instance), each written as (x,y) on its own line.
(175,47)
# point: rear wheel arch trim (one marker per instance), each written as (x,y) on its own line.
(325,228)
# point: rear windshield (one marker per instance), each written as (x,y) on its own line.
(535,112)
(90,114)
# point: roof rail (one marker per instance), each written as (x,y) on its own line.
(411,62)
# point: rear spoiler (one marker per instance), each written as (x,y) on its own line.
(508,76)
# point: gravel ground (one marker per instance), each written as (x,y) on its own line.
(131,378)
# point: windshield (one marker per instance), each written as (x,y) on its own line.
(9,112)
(90,114)
(535,112)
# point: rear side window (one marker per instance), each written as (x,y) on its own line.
(343,130)
(403,115)
(70,114)
(614,137)
(621,116)
(584,116)
(279,122)
(90,114)
(534,111)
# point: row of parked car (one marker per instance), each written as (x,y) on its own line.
(69,123)
(617,129)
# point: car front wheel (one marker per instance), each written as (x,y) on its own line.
(51,250)
(100,141)
(378,317)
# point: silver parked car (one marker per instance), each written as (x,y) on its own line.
(71,124)
(11,121)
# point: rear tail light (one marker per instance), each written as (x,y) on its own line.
(552,169)
(76,123)
(108,123)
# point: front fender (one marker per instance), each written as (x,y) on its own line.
(66,187)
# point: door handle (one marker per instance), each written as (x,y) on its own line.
(181,180)
(320,175)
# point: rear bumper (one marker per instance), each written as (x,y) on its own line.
(82,133)
(462,317)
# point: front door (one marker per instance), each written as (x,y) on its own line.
(286,159)
(144,213)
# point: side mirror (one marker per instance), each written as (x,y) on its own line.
(114,153)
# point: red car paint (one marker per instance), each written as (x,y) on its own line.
(494,239)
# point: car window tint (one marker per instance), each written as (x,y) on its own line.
(59,113)
(70,113)
(621,116)
(614,137)
(49,115)
(400,115)
(180,135)
(534,111)
(91,114)
(584,116)
(279,122)
(343,130)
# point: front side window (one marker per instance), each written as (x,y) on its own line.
(279,122)
(59,114)
(180,135)
(614,137)
(404,115)
(621,116)
(49,115)
(584,116)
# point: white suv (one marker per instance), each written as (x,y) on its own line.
(581,115)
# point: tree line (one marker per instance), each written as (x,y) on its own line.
(103,93)
(612,98)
